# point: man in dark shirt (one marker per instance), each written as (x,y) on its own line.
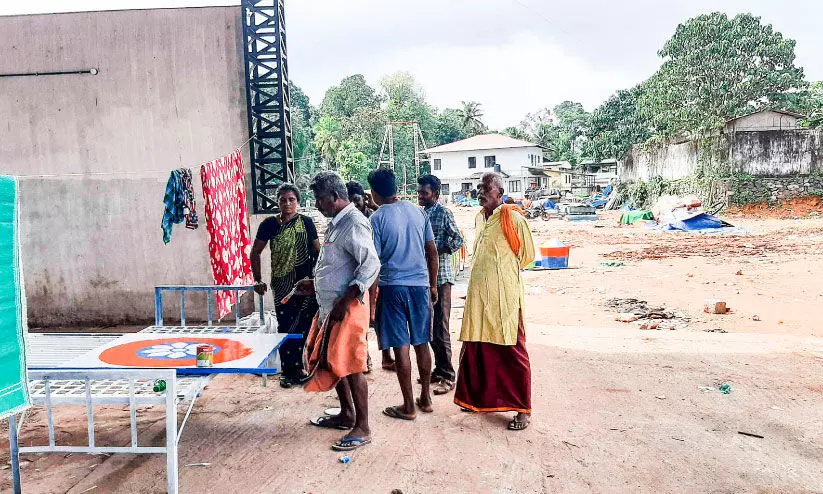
(448,240)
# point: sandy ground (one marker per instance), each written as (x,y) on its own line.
(617,408)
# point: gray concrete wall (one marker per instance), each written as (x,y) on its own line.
(777,153)
(671,162)
(772,153)
(169,93)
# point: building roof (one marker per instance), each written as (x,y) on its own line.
(609,161)
(774,110)
(477,175)
(557,165)
(482,142)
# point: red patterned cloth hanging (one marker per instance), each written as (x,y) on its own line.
(227,220)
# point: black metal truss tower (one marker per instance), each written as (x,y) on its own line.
(268,100)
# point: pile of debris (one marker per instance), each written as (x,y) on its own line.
(632,310)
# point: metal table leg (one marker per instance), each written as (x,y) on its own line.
(15,454)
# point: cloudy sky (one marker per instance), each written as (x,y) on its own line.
(513,56)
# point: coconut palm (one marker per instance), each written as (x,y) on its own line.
(471,115)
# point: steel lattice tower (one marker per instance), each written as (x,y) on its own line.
(268,100)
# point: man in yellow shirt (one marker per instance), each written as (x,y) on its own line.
(494,373)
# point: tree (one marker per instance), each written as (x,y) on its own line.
(353,163)
(716,68)
(406,102)
(813,106)
(327,140)
(300,103)
(472,116)
(448,127)
(516,133)
(615,126)
(352,94)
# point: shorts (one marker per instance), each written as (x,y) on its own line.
(404,316)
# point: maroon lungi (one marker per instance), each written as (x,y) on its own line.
(495,378)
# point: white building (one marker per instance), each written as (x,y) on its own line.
(460,164)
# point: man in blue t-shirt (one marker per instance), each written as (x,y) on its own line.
(407,284)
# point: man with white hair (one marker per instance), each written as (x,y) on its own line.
(494,373)
(336,351)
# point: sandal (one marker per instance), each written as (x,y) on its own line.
(326,422)
(286,382)
(443,387)
(350,443)
(395,413)
(517,425)
(423,408)
(391,366)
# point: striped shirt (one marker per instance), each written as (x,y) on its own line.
(448,239)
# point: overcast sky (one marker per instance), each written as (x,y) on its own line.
(513,56)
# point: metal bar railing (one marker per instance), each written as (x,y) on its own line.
(210,292)
(53,382)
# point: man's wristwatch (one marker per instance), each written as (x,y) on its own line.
(259,283)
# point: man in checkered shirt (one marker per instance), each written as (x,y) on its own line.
(448,239)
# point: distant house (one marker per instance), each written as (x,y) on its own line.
(559,175)
(460,164)
(605,172)
(764,120)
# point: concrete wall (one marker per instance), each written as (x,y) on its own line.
(777,153)
(772,153)
(169,93)
(669,161)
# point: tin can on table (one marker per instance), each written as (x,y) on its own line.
(205,356)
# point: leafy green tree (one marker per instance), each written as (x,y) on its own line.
(572,121)
(616,125)
(515,132)
(716,68)
(472,116)
(448,127)
(300,104)
(808,102)
(327,140)
(353,163)
(352,94)
(406,102)
(813,106)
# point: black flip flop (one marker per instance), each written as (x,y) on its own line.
(349,444)
(325,422)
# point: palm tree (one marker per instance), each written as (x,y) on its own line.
(515,132)
(327,139)
(471,115)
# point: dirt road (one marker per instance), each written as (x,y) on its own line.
(617,408)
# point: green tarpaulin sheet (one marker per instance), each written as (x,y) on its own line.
(14,393)
(632,217)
